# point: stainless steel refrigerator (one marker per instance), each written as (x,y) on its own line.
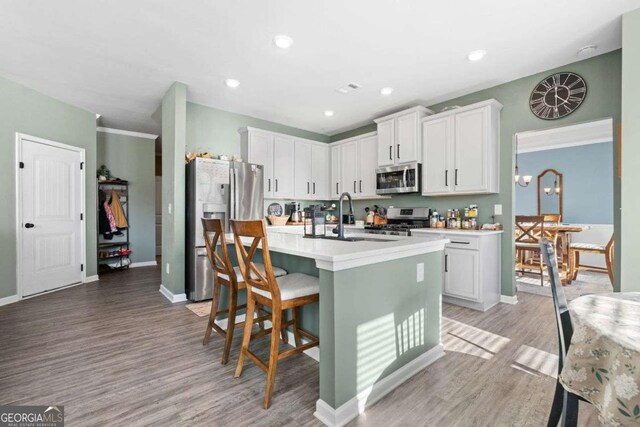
(216,189)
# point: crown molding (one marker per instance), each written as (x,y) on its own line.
(596,132)
(127,133)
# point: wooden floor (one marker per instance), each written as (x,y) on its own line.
(115,352)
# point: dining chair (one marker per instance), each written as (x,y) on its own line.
(529,232)
(565,403)
(225,274)
(552,218)
(575,249)
(288,292)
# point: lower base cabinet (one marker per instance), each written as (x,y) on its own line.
(472,268)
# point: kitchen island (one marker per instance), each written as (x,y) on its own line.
(379,312)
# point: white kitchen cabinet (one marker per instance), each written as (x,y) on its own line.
(335,184)
(368,163)
(353,166)
(349,167)
(302,170)
(471,266)
(311,170)
(320,171)
(461,273)
(283,173)
(278,154)
(438,140)
(461,150)
(257,147)
(399,136)
(386,142)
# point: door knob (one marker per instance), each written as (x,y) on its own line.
(29,225)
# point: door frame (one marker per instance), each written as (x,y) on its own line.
(20,137)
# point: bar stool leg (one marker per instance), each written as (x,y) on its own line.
(556,407)
(276,319)
(231,324)
(283,330)
(246,337)
(296,326)
(214,312)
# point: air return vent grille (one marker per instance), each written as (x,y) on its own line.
(349,88)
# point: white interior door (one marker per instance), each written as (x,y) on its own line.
(51,227)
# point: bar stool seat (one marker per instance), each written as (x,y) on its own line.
(277,271)
(589,246)
(293,285)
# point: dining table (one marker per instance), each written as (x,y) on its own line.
(564,232)
(602,364)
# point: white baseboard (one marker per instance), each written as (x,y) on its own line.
(313,352)
(356,405)
(143,264)
(173,298)
(509,299)
(9,300)
(90,279)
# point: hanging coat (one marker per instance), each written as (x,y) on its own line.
(117,211)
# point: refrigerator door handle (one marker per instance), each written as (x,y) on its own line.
(234,193)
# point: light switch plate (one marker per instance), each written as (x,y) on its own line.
(497,209)
(167,268)
(420,272)
(169,207)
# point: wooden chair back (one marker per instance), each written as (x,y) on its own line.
(220,262)
(563,318)
(253,277)
(529,228)
(552,218)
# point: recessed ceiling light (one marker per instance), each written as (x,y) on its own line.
(476,55)
(232,83)
(282,41)
(386,91)
(328,113)
(587,51)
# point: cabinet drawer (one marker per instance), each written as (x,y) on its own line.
(462,242)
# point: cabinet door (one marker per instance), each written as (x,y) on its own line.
(302,166)
(261,153)
(407,148)
(336,170)
(461,278)
(437,137)
(349,168)
(386,143)
(471,144)
(319,172)
(283,173)
(368,156)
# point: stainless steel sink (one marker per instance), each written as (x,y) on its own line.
(357,239)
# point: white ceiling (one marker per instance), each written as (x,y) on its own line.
(118,57)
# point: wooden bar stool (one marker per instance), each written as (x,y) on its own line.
(225,274)
(287,292)
(576,248)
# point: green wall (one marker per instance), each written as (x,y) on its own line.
(174,111)
(133,158)
(631,149)
(216,130)
(27,111)
(603,76)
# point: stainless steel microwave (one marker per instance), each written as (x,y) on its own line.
(398,179)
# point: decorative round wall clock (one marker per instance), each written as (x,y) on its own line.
(558,96)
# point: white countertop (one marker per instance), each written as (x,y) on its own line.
(428,231)
(335,255)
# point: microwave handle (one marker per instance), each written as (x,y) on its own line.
(404,176)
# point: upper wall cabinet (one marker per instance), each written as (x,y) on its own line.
(353,167)
(399,136)
(311,170)
(461,150)
(293,167)
(276,153)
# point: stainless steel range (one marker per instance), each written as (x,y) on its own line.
(400,221)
